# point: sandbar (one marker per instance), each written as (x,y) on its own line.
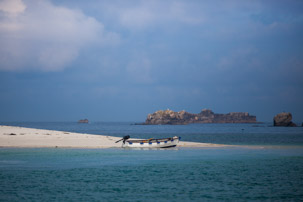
(20,137)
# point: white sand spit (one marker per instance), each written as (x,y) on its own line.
(11,136)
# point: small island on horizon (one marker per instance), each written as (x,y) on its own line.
(169,117)
(83,121)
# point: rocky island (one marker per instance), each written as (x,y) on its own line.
(284,119)
(163,117)
(83,121)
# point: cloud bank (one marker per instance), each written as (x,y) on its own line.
(41,36)
(138,15)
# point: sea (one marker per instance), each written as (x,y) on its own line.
(260,163)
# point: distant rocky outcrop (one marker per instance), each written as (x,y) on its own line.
(283,119)
(205,116)
(83,121)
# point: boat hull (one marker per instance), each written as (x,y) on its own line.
(157,143)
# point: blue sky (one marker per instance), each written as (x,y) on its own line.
(64,60)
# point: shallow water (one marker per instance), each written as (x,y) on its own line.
(267,166)
(239,174)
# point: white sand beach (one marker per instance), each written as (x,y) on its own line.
(11,136)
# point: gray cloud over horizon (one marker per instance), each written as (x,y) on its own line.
(37,35)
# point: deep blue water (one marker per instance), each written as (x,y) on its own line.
(270,173)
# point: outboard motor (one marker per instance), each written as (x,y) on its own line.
(124,139)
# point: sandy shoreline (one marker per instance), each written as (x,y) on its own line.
(11,136)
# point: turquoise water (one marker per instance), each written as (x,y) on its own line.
(271,172)
(233,174)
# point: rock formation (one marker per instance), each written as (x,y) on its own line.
(283,119)
(83,121)
(205,116)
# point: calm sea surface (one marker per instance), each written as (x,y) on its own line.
(272,172)
(239,134)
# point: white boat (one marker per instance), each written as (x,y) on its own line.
(150,143)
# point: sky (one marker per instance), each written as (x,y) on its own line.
(119,60)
